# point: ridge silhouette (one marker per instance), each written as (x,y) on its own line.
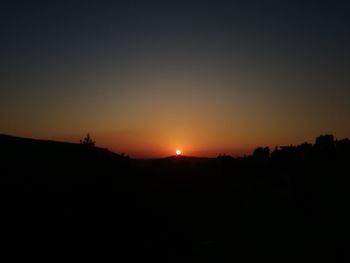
(285,205)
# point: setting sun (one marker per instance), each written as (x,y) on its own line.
(178,152)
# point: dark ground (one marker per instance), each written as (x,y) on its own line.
(71,201)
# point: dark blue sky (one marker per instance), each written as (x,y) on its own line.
(238,73)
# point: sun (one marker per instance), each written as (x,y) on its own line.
(178,152)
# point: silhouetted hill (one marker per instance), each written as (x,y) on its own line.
(32,165)
(285,205)
(17,147)
(186,157)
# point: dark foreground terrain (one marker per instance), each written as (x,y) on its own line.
(76,202)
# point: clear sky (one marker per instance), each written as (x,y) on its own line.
(148,77)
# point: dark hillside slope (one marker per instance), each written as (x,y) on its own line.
(23,148)
(64,197)
(39,165)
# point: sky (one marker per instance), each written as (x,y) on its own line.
(149,77)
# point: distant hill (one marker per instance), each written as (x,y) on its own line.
(185,157)
(19,148)
(30,165)
(185,160)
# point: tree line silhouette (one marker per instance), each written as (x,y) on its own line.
(325,147)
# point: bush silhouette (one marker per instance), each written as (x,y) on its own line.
(325,143)
(88,141)
(261,153)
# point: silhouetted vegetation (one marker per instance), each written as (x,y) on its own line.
(88,141)
(261,154)
(285,205)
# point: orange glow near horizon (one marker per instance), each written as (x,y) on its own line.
(203,83)
(141,117)
(158,144)
(178,152)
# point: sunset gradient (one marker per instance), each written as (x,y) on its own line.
(147,80)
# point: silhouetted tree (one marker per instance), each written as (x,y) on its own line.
(285,153)
(325,142)
(325,145)
(304,150)
(88,141)
(261,153)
